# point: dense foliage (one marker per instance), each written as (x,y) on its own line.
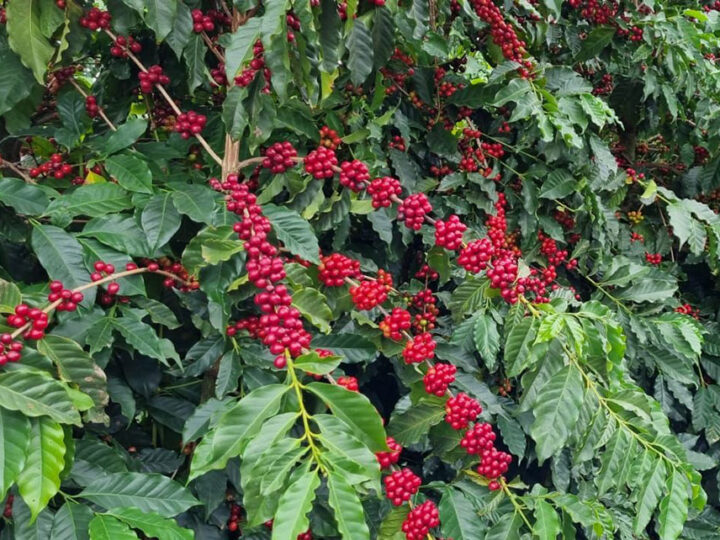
(370,269)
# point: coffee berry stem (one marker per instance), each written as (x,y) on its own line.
(16,170)
(170,101)
(106,279)
(84,94)
(513,499)
(212,47)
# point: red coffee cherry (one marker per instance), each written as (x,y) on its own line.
(123,44)
(91,106)
(189,124)
(349,382)
(420,520)
(460,410)
(449,234)
(333,269)
(401,485)
(320,163)
(201,22)
(354,175)
(475,256)
(419,349)
(95,19)
(413,209)
(494,463)
(438,378)
(372,292)
(395,323)
(307,535)
(386,459)
(153,76)
(382,190)
(653,258)
(279,157)
(478,438)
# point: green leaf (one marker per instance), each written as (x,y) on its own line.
(458,517)
(355,410)
(293,231)
(182,30)
(291,516)
(93,200)
(517,356)
(410,426)
(25,527)
(651,489)
(313,305)
(618,447)
(152,524)
(353,347)
(24,198)
(487,339)
(196,202)
(144,339)
(311,362)
(383,36)
(557,409)
(76,366)
(26,37)
(9,297)
(238,46)
(349,514)
(558,184)
(547,521)
(513,91)
(160,220)
(147,492)
(131,172)
(346,451)
(161,16)
(674,506)
(125,136)
(236,427)
(104,527)
(390,528)
(360,47)
(39,480)
(194,55)
(508,528)
(656,286)
(330,31)
(14,438)
(72,522)
(120,233)
(71,110)
(61,255)
(596,41)
(37,394)
(17,81)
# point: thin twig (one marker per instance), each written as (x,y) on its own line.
(16,170)
(101,112)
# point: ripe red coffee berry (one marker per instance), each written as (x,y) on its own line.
(320,163)
(386,459)
(420,520)
(153,76)
(461,410)
(349,382)
(334,268)
(478,438)
(354,175)
(438,378)
(449,234)
(401,485)
(413,209)
(476,255)
(91,107)
(494,463)
(382,190)
(279,157)
(395,323)
(189,124)
(419,349)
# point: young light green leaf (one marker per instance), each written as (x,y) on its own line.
(14,438)
(152,524)
(39,480)
(36,394)
(104,527)
(26,37)
(291,516)
(674,506)
(547,521)
(349,514)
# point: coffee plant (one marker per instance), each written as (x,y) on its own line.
(389,269)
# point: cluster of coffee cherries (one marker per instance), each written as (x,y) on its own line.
(68,300)
(233,523)
(605,86)
(687,309)
(34,320)
(154,75)
(102,270)
(201,22)
(256,64)
(10,350)
(653,258)
(503,34)
(91,106)
(183,281)
(55,167)
(190,124)
(280,326)
(633,176)
(95,19)
(329,138)
(123,45)
(279,157)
